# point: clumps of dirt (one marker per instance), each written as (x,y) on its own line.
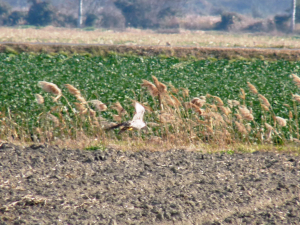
(44,184)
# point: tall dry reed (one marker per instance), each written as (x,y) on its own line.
(176,117)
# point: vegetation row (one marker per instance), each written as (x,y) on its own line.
(166,17)
(44,98)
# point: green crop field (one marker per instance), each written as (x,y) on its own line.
(118,78)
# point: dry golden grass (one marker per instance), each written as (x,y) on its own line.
(146,37)
(159,144)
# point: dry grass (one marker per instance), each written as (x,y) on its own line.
(176,120)
(159,144)
(146,37)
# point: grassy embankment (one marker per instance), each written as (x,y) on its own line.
(198,44)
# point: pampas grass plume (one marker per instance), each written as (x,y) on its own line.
(264,107)
(290,115)
(296,97)
(249,117)
(218,118)
(92,113)
(39,99)
(264,100)
(281,121)
(49,87)
(233,103)
(225,110)
(212,107)
(252,88)
(151,88)
(197,109)
(241,128)
(246,114)
(248,127)
(209,129)
(83,112)
(268,126)
(219,101)
(117,106)
(185,92)
(176,100)
(188,105)
(173,89)
(172,101)
(296,79)
(79,106)
(117,118)
(198,102)
(72,89)
(243,95)
(99,106)
(162,89)
(81,99)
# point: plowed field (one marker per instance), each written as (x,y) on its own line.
(44,184)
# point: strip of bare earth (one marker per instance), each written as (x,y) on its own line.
(165,51)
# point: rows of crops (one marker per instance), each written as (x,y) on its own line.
(119,78)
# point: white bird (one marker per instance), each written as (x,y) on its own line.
(136,123)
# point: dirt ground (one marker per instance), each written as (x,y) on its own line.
(43,184)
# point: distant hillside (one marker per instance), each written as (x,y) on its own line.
(229,15)
(261,8)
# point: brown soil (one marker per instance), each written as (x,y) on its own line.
(166,51)
(44,184)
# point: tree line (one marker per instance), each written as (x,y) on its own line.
(145,14)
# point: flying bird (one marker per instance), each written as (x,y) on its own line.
(136,123)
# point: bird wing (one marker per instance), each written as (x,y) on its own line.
(122,125)
(139,112)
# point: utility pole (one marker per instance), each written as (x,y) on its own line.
(79,22)
(294,2)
